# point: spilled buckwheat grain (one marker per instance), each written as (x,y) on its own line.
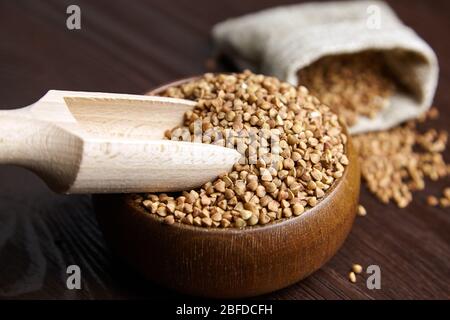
(352,277)
(357,268)
(396,162)
(361,211)
(443,201)
(284,180)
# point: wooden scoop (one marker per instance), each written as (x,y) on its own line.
(84,142)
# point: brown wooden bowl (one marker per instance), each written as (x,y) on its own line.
(231,263)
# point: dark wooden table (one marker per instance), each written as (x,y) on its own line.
(131,46)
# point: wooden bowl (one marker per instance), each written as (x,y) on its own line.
(231,263)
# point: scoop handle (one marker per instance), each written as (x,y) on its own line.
(38,146)
(19,134)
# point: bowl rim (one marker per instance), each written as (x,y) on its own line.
(248,229)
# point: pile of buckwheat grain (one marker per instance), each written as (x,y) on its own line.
(351,84)
(280,183)
(394,163)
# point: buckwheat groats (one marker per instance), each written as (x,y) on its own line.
(351,84)
(273,180)
(396,162)
(443,201)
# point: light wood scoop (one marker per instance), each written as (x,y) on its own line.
(84,142)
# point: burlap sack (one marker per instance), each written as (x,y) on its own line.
(285,39)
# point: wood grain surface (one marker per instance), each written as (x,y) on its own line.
(130,47)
